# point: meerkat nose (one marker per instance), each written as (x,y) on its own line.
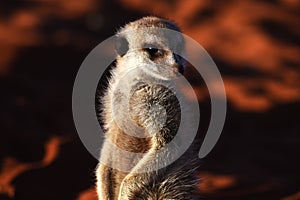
(178,65)
(178,68)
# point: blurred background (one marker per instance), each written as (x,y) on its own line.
(255,44)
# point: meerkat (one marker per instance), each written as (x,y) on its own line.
(145,59)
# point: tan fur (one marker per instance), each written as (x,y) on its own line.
(175,181)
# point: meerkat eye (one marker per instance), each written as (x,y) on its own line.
(153,52)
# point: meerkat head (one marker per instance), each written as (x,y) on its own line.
(147,44)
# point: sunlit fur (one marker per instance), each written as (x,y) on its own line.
(176,181)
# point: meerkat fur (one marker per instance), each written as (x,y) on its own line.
(144,54)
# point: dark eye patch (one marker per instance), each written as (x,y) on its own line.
(153,51)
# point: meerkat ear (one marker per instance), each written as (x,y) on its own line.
(121,45)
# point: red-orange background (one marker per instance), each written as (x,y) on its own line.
(254,43)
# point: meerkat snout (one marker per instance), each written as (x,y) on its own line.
(180,63)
